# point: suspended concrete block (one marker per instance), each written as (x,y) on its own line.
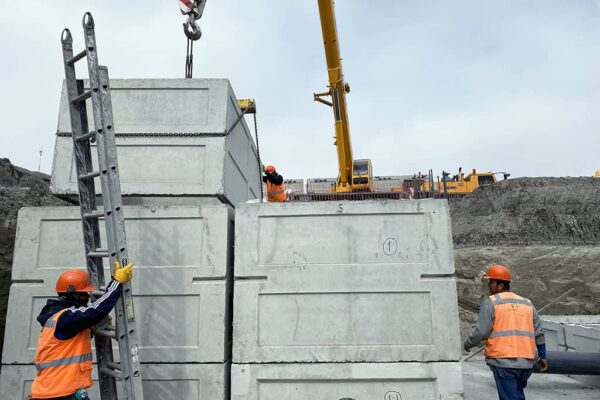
(397,381)
(160,381)
(174,137)
(338,282)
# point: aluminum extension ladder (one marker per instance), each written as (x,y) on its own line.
(109,372)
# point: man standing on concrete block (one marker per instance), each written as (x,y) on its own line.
(275,188)
(64,351)
(514,338)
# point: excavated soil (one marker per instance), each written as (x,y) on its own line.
(18,187)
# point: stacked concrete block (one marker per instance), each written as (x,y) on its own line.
(174,137)
(182,291)
(574,333)
(349,296)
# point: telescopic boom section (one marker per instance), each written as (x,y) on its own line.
(337,91)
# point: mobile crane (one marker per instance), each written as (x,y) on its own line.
(354,175)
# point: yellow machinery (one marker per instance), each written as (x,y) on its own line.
(597,173)
(457,185)
(354,175)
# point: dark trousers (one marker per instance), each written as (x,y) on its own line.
(510,382)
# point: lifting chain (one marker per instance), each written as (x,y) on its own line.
(193,9)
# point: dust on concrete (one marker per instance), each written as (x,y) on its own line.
(19,187)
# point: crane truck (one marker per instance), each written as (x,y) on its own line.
(354,175)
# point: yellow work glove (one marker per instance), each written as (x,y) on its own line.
(123,274)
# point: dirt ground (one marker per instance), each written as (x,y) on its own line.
(546,230)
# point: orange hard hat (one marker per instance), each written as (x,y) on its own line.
(499,272)
(269,169)
(74,280)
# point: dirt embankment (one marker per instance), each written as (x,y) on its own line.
(547,230)
(18,187)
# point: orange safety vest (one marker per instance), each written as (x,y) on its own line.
(513,334)
(64,366)
(276,193)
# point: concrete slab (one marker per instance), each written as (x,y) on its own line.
(160,381)
(170,245)
(367,281)
(555,336)
(328,316)
(174,137)
(479,385)
(365,235)
(182,323)
(397,381)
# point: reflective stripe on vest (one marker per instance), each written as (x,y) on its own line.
(64,366)
(276,193)
(64,361)
(513,333)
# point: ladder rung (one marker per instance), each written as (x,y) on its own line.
(106,333)
(93,214)
(77,57)
(114,374)
(114,365)
(98,253)
(86,136)
(82,97)
(89,175)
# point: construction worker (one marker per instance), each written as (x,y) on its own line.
(275,188)
(64,351)
(514,338)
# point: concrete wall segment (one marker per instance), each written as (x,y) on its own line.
(164,241)
(397,381)
(328,320)
(186,323)
(160,382)
(281,236)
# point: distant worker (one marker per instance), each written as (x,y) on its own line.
(64,351)
(275,188)
(514,338)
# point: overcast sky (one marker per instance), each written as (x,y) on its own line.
(511,85)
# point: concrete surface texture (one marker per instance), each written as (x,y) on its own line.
(479,385)
(160,381)
(395,381)
(181,282)
(174,137)
(351,281)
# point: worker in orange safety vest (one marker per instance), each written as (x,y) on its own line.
(64,351)
(275,188)
(511,327)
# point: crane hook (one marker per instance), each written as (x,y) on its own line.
(191,28)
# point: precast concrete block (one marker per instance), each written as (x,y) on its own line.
(349,281)
(310,316)
(170,245)
(160,382)
(582,338)
(183,323)
(554,333)
(174,137)
(360,236)
(397,381)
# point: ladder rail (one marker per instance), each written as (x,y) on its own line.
(87,201)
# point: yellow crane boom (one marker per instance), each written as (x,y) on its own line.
(353,174)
